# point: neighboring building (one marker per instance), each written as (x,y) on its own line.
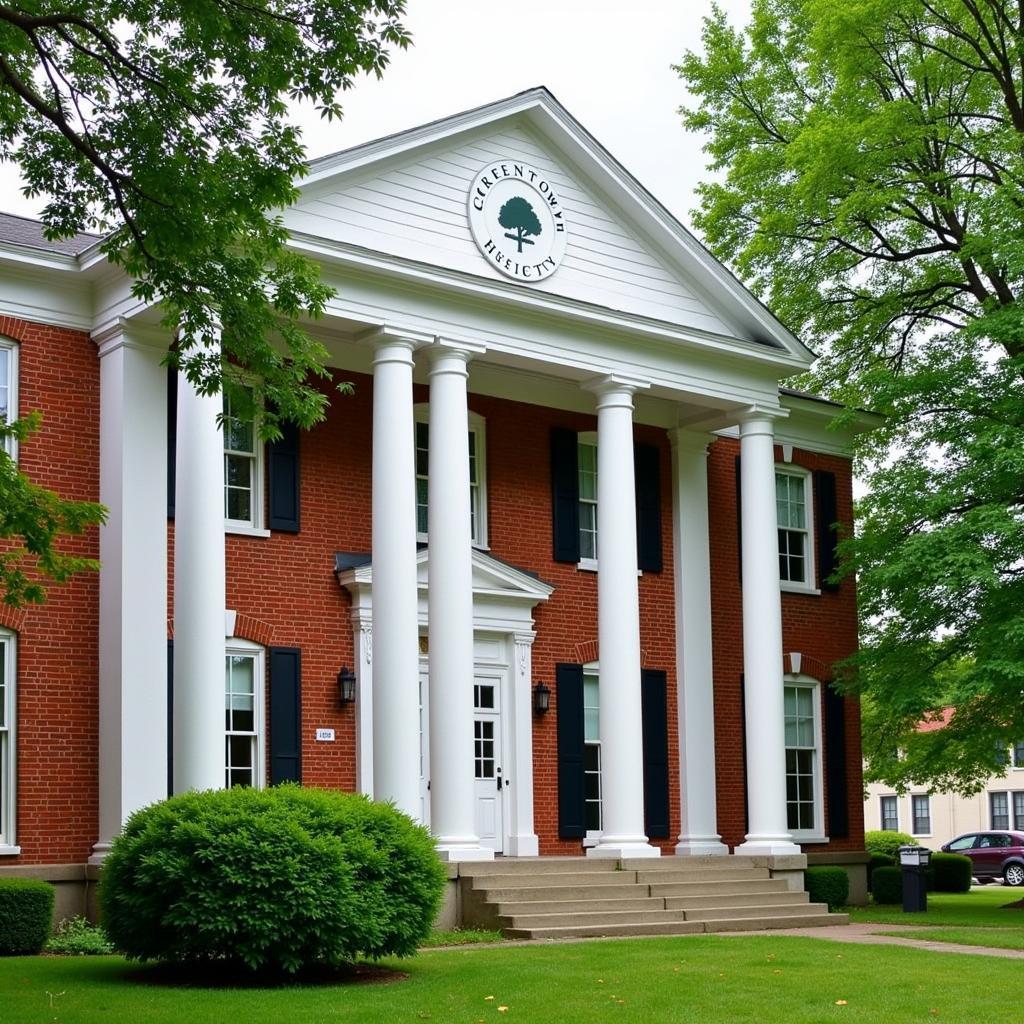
(936,818)
(535,487)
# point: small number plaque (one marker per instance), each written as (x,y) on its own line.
(325,735)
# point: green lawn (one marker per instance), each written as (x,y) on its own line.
(994,938)
(979,908)
(706,979)
(462,937)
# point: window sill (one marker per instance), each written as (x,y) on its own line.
(591,839)
(798,588)
(245,531)
(9,851)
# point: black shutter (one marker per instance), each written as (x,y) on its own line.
(647,461)
(170,717)
(283,480)
(739,522)
(565,496)
(285,715)
(569,709)
(835,764)
(654,708)
(743,750)
(172,436)
(825,523)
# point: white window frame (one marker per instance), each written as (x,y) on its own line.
(913,815)
(247,649)
(881,811)
(593,836)
(9,745)
(1017,819)
(254,526)
(588,438)
(9,350)
(992,826)
(1015,761)
(816,834)
(809,584)
(478,494)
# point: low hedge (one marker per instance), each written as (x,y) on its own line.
(271,880)
(887,885)
(829,885)
(26,910)
(951,871)
(879,860)
(887,843)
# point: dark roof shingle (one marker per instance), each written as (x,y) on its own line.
(25,231)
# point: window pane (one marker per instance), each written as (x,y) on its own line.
(239,470)
(1000,810)
(239,504)
(1018,809)
(591,710)
(1018,755)
(421,506)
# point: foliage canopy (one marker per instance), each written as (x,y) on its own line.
(870,188)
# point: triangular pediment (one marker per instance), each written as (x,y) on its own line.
(409,198)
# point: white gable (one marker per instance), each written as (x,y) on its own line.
(414,206)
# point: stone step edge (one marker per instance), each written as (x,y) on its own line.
(751,924)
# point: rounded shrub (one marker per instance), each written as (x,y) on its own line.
(26,910)
(829,885)
(275,880)
(887,843)
(887,885)
(879,860)
(952,872)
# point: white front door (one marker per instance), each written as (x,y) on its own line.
(489,781)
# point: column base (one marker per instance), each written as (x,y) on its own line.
(767,846)
(454,852)
(523,846)
(99,854)
(620,849)
(701,846)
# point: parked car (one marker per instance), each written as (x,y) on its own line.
(993,854)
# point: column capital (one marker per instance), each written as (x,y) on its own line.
(614,390)
(394,345)
(760,419)
(685,439)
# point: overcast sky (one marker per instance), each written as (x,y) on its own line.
(607,61)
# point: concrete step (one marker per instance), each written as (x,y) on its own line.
(553,878)
(752,924)
(584,920)
(732,875)
(536,893)
(763,910)
(772,898)
(700,865)
(536,866)
(514,908)
(607,930)
(731,885)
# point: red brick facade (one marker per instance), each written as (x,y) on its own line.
(284,592)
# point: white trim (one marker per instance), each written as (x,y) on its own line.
(9,778)
(10,346)
(252,527)
(247,648)
(816,834)
(810,562)
(911,797)
(881,813)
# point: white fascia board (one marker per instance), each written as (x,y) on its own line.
(618,187)
(46,292)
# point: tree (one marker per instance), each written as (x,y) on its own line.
(870,160)
(167,125)
(517,215)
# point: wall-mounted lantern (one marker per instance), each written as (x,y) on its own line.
(346,686)
(541,699)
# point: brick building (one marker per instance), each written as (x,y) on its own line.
(605,625)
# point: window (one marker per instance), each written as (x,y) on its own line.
(477,474)
(591,756)
(243,469)
(890,814)
(586,451)
(9,391)
(793,511)
(963,843)
(243,715)
(1018,755)
(7,710)
(999,810)
(921,815)
(803,782)
(1018,811)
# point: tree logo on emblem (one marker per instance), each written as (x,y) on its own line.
(517,215)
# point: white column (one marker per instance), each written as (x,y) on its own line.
(762,643)
(133,583)
(396,662)
(362,644)
(522,837)
(450,612)
(198,593)
(618,630)
(695,699)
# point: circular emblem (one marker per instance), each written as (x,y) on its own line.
(517,221)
